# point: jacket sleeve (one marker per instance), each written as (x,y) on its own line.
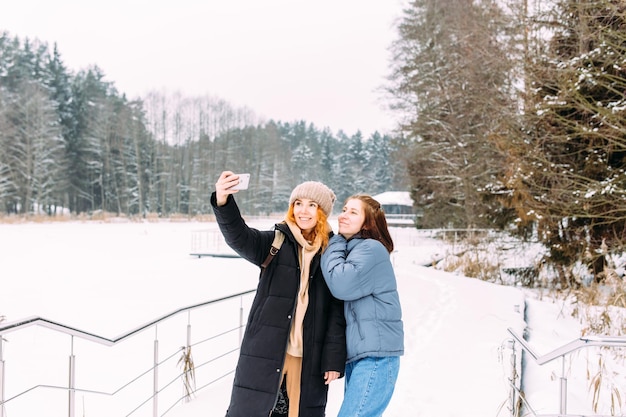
(346,267)
(249,243)
(334,353)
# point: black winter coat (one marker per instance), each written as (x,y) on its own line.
(259,369)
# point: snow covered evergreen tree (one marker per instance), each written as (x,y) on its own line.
(452,80)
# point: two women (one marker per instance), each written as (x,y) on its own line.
(295,334)
(357,268)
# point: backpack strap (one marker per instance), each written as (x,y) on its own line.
(279,237)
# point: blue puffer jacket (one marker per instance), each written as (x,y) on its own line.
(359,271)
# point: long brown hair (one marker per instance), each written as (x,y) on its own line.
(375,224)
(322,228)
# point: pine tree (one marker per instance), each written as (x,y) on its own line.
(378,165)
(452,80)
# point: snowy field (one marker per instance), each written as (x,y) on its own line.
(110,278)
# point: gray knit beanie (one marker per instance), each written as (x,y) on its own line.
(316,191)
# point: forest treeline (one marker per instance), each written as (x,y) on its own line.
(511,116)
(72,141)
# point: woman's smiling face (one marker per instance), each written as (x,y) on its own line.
(351,218)
(305,212)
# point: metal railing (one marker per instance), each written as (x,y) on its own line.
(561,352)
(157,363)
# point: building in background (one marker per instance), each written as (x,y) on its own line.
(398,206)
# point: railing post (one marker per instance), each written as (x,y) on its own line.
(188,352)
(513,379)
(155,374)
(1,378)
(72,381)
(563,405)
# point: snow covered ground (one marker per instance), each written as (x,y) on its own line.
(109,278)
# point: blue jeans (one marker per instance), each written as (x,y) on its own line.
(369,385)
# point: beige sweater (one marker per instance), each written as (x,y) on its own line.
(306,252)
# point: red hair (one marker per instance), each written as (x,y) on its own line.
(321,229)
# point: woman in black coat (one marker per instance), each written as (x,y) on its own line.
(295,334)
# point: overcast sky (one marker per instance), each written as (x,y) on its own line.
(323,61)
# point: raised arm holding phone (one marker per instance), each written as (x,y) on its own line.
(295,334)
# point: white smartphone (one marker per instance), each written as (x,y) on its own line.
(244,180)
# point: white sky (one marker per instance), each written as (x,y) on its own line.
(321,61)
(110,278)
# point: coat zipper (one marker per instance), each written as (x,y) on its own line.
(293,311)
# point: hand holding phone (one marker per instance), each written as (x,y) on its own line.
(244,180)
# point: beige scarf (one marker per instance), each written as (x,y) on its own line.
(306,252)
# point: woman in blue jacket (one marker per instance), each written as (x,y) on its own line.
(357,268)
